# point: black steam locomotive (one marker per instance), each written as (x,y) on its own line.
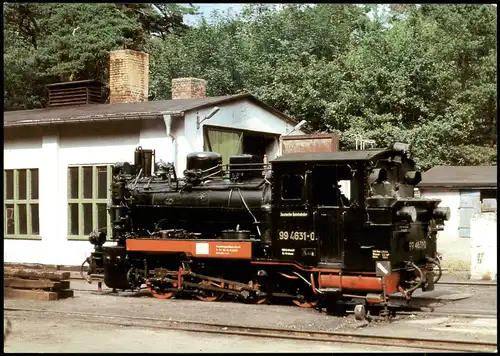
(334,228)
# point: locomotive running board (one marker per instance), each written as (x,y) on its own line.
(197,248)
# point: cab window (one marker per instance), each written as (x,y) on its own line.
(331,185)
(292,186)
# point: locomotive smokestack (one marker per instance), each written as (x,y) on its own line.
(143,160)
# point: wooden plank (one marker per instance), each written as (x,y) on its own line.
(62,285)
(95,96)
(65,293)
(42,266)
(23,283)
(68,99)
(66,90)
(29,294)
(67,95)
(29,283)
(40,274)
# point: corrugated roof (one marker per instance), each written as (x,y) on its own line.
(330,156)
(123,111)
(460,176)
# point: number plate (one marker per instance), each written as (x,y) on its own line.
(294,235)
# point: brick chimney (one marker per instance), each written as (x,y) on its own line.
(128,76)
(189,88)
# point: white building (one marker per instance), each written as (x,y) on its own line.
(463,189)
(57,160)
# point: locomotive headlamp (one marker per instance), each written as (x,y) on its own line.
(97,238)
(408,213)
(442,213)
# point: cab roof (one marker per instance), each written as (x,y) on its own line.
(364,155)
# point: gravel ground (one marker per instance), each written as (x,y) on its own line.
(459,297)
(63,334)
(93,337)
(232,313)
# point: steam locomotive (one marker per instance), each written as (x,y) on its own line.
(331,227)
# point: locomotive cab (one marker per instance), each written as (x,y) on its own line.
(318,197)
(348,210)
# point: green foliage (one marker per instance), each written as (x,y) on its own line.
(421,74)
(45,43)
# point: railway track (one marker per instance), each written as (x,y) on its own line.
(468,283)
(463,313)
(247,331)
(459,313)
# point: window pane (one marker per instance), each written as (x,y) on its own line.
(102,182)
(73,182)
(87,219)
(102,221)
(9,182)
(22,184)
(87,182)
(9,219)
(73,219)
(292,187)
(35,224)
(34,184)
(23,222)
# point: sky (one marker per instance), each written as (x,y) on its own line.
(206,9)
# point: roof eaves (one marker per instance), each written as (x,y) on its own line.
(225,100)
(93,118)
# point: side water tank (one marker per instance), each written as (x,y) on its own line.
(245,166)
(203,161)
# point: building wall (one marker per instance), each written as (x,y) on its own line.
(243,115)
(52,150)
(456,250)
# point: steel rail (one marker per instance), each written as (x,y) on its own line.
(462,313)
(468,283)
(454,313)
(250,331)
(477,313)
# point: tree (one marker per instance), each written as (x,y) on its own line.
(424,74)
(436,86)
(61,42)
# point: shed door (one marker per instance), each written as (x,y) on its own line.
(469,204)
(224,142)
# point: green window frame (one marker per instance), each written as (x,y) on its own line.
(21,204)
(88,198)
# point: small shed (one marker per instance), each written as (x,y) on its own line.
(463,189)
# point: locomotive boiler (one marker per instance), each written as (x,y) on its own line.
(334,228)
